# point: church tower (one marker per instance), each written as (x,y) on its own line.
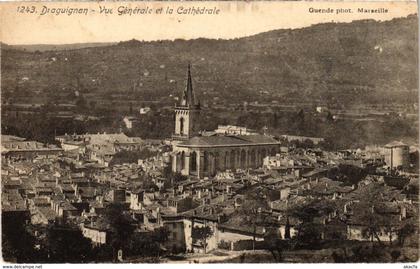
(187,113)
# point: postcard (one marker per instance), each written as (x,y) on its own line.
(209,132)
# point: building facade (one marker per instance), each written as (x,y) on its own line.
(187,113)
(204,156)
(397,155)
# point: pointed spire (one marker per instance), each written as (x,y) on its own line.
(188,98)
(189,88)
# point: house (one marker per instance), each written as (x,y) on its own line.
(63,208)
(96,232)
(130,122)
(175,225)
(180,204)
(136,199)
(144,110)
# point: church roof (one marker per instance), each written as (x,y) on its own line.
(224,141)
(188,98)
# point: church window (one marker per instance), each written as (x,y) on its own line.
(232,159)
(183,160)
(243,159)
(205,161)
(193,161)
(181,124)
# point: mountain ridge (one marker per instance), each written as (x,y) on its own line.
(360,61)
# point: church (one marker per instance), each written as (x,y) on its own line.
(203,156)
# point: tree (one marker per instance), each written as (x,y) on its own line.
(131,156)
(253,205)
(18,244)
(372,226)
(306,144)
(348,174)
(81,102)
(67,244)
(307,212)
(160,236)
(405,231)
(362,253)
(373,221)
(178,177)
(309,234)
(275,245)
(395,254)
(148,244)
(202,234)
(120,224)
(149,185)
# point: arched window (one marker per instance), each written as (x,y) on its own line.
(253,158)
(193,160)
(217,161)
(232,159)
(181,126)
(182,160)
(263,155)
(243,159)
(273,152)
(205,161)
(227,160)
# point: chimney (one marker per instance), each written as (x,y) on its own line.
(345,208)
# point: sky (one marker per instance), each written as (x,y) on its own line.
(235,19)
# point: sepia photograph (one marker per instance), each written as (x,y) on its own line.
(209,132)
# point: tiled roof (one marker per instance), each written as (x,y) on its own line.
(27,146)
(8,138)
(47,212)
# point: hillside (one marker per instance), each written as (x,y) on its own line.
(47,47)
(339,64)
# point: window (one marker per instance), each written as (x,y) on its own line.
(181,126)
